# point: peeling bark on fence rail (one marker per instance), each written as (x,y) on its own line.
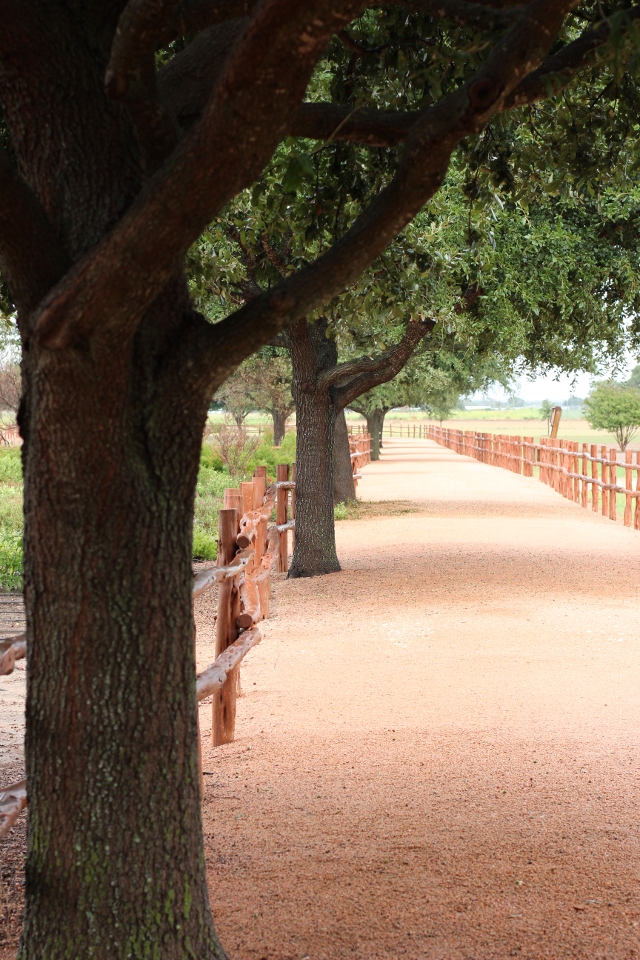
(224,701)
(13,800)
(214,677)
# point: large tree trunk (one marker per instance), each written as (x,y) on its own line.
(343,486)
(315,545)
(112,427)
(375,424)
(115,866)
(279,426)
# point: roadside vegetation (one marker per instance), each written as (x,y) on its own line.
(212,479)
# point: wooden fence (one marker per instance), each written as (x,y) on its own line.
(394,428)
(249,550)
(360,450)
(575,471)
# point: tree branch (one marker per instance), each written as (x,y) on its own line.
(262,84)
(377,370)
(466,14)
(420,173)
(32,258)
(324,121)
(377,128)
(560,69)
(187,90)
(187,80)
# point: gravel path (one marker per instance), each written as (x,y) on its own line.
(437,752)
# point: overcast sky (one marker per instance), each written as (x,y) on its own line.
(558,387)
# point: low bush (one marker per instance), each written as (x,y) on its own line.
(271,456)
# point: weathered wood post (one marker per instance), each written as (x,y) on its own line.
(628,481)
(636,513)
(585,474)
(232,499)
(593,451)
(528,455)
(259,489)
(246,497)
(613,473)
(605,480)
(282,499)
(224,700)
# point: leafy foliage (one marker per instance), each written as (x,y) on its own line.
(616,409)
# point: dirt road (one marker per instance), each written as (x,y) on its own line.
(437,753)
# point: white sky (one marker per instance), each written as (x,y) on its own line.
(559,386)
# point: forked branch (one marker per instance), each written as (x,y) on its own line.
(376,370)
(415,331)
(260,89)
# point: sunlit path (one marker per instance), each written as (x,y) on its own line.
(437,753)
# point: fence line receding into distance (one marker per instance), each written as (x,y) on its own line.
(578,474)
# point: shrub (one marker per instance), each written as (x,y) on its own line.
(615,409)
(235,448)
(268,455)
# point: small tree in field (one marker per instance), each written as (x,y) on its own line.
(545,410)
(614,409)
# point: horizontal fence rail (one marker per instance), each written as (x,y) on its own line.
(575,471)
(360,450)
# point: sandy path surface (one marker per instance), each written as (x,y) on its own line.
(437,753)
(437,749)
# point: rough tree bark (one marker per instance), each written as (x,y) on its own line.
(375,425)
(279,426)
(311,354)
(322,388)
(110,464)
(343,486)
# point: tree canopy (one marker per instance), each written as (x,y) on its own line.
(616,409)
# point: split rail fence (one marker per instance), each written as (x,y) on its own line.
(394,429)
(249,550)
(360,450)
(577,472)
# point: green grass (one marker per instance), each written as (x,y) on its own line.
(10,519)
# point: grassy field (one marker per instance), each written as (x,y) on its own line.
(570,429)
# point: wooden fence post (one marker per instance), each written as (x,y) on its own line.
(628,485)
(613,473)
(593,450)
(529,454)
(246,497)
(605,480)
(259,490)
(585,473)
(232,499)
(636,513)
(224,700)
(282,499)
